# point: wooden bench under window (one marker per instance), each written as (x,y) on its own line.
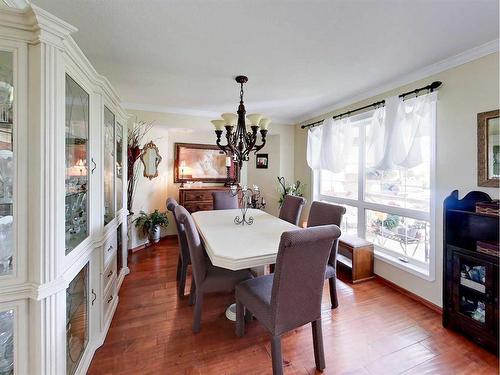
(355,258)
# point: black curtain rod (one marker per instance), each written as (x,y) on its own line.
(433,86)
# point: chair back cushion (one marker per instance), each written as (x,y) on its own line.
(195,245)
(181,233)
(224,200)
(299,276)
(323,213)
(291,209)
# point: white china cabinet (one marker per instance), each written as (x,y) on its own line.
(62,198)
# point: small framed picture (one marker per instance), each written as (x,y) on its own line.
(262,161)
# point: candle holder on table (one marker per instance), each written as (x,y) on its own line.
(247,198)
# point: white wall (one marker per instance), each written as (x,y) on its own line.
(172,128)
(467,90)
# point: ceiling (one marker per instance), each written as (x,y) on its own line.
(301,56)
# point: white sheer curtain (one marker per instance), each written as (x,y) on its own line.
(393,136)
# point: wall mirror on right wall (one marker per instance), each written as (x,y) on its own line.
(488,149)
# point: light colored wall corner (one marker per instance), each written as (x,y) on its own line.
(172,128)
(467,90)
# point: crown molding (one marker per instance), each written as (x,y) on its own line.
(427,71)
(173,110)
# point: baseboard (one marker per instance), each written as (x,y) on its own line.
(148,244)
(411,295)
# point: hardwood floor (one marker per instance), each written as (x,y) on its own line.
(375,330)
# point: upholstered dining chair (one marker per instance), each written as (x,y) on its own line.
(207,277)
(184,259)
(291,297)
(291,209)
(224,200)
(322,213)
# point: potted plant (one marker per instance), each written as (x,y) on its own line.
(284,189)
(150,224)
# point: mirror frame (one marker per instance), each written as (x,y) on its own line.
(482,149)
(145,149)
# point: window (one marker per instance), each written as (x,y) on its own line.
(390,206)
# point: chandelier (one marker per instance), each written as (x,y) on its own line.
(241,143)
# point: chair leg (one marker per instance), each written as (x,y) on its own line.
(197,312)
(276,355)
(179,266)
(319,353)
(192,293)
(332,281)
(272,267)
(240,319)
(182,280)
(248,316)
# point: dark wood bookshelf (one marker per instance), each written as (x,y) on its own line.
(470,311)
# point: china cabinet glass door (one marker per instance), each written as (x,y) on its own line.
(77,151)
(7,163)
(7,342)
(77,319)
(109,165)
(119,166)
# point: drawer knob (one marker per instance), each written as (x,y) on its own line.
(110,299)
(110,248)
(110,273)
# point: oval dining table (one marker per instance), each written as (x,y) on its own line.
(237,247)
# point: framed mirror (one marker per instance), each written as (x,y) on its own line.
(488,149)
(150,158)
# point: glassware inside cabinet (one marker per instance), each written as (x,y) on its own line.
(119,167)
(77,321)
(77,151)
(7,342)
(7,163)
(109,165)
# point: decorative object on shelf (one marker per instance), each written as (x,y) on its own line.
(488,149)
(284,189)
(247,198)
(488,208)
(202,163)
(134,140)
(262,161)
(151,158)
(490,248)
(240,142)
(150,224)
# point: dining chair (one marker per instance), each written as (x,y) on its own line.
(322,213)
(207,277)
(291,297)
(184,259)
(224,200)
(291,209)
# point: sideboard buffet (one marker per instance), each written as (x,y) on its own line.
(62,198)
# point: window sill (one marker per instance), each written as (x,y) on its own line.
(423,273)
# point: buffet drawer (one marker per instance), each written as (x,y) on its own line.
(109,249)
(197,196)
(109,274)
(201,206)
(109,299)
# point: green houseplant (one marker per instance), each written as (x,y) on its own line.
(285,189)
(150,224)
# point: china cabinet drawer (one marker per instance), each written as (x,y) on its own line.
(193,207)
(109,249)
(109,299)
(109,274)
(197,196)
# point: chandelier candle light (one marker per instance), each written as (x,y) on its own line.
(247,198)
(240,142)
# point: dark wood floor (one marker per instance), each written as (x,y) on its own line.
(375,330)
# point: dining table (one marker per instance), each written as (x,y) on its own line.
(236,246)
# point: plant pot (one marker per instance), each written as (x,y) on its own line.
(154,234)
